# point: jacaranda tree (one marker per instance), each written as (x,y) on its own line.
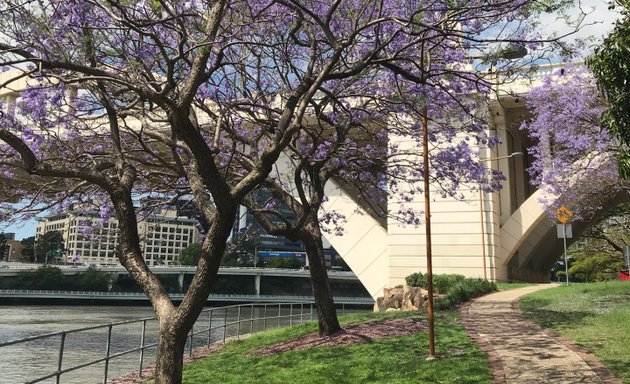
(124,106)
(574,156)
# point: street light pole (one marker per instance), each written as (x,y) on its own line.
(427,231)
(483,233)
(481,212)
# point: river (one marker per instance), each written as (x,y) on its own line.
(27,361)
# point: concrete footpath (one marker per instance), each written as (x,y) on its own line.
(520,352)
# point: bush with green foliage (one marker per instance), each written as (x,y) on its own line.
(282,262)
(456,288)
(441,283)
(45,277)
(94,280)
(465,290)
(48,277)
(416,280)
(190,255)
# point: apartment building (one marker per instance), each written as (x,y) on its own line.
(89,239)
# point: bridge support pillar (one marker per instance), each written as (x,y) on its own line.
(180,281)
(257,284)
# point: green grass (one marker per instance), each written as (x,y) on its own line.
(391,360)
(508,286)
(595,316)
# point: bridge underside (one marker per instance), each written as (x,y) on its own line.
(503,236)
(534,260)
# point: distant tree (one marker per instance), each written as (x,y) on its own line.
(190,255)
(601,252)
(282,262)
(609,64)
(3,246)
(94,279)
(611,233)
(241,251)
(51,244)
(28,247)
(596,266)
(45,277)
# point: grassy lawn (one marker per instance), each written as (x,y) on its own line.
(595,316)
(508,286)
(392,360)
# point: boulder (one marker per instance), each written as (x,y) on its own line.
(390,299)
(406,298)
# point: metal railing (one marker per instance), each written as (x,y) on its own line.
(213,325)
(140,296)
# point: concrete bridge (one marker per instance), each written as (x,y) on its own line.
(502,236)
(13,269)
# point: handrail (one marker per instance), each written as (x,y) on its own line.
(296,315)
(177,296)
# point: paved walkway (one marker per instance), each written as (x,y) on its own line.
(521,352)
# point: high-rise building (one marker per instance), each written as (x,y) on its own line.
(91,240)
(8,235)
(271,246)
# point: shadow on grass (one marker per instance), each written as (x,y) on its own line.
(618,365)
(537,310)
(392,360)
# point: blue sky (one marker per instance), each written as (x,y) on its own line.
(21,230)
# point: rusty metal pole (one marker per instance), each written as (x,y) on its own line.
(483,233)
(427,223)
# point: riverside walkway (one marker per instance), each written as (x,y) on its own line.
(520,352)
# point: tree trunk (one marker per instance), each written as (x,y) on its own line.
(324,304)
(169,360)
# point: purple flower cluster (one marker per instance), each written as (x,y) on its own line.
(574,159)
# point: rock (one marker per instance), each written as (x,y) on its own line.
(414,298)
(406,298)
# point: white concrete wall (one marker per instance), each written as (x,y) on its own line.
(364,244)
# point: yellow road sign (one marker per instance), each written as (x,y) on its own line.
(564,214)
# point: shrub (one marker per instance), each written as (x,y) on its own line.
(456,288)
(45,277)
(443,283)
(94,279)
(465,290)
(416,280)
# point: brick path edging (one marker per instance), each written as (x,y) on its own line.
(494,362)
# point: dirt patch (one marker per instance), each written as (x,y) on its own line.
(352,334)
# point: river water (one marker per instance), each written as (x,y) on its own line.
(27,361)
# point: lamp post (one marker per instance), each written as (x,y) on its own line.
(481,215)
(513,51)
(427,231)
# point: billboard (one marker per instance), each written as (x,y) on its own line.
(297,254)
